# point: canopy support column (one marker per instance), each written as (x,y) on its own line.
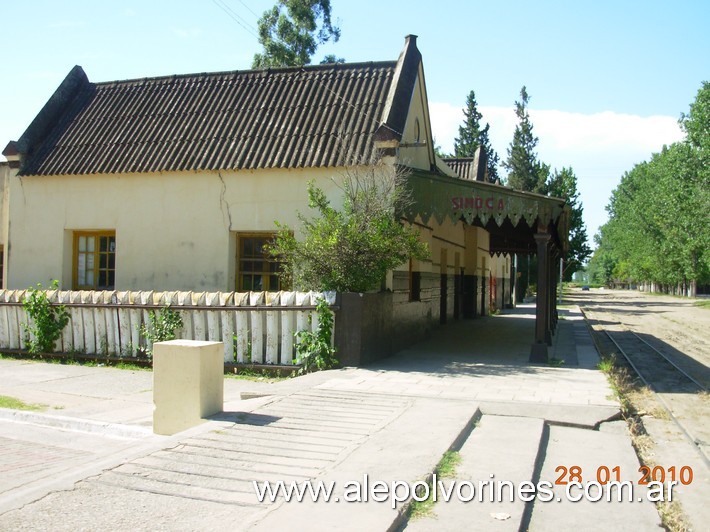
(538,351)
(555,287)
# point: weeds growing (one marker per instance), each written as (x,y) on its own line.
(17,404)
(446,468)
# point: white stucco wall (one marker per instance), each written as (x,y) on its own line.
(173,231)
(177,231)
(5,173)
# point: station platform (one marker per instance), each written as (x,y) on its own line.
(89,459)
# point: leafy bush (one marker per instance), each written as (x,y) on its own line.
(351,250)
(48,321)
(314,349)
(163,327)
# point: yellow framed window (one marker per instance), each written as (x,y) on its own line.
(94,260)
(256,269)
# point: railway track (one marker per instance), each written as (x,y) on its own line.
(657,370)
(678,392)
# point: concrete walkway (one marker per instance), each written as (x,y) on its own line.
(90,461)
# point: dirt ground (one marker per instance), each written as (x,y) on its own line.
(680,329)
(678,322)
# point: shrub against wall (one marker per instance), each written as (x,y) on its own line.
(352,249)
(47,320)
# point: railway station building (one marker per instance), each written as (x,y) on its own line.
(175,182)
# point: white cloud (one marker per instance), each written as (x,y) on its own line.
(605,130)
(186,33)
(599,147)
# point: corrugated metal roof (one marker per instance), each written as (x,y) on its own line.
(284,118)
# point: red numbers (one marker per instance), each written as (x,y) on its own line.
(684,475)
(606,474)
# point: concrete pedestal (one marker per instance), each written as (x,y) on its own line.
(188,383)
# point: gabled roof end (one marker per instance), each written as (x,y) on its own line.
(55,106)
(396,109)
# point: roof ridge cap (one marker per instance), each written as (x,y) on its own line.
(327,66)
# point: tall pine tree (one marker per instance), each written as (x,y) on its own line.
(472,136)
(525,171)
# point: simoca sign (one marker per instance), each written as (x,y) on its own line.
(477,202)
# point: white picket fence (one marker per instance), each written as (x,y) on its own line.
(255,327)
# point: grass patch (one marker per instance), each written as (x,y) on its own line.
(420,509)
(447,464)
(446,468)
(80,359)
(555,362)
(621,383)
(17,404)
(255,377)
(606,364)
(703,304)
(247,374)
(132,367)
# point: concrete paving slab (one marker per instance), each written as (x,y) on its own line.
(64,457)
(68,456)
(672,449)
(392,421)
(500,449)
(75,424)
(570,451)
(582,416)
(124,510)
(489,383)
(22,372)
(408,449)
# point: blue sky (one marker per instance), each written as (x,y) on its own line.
(608,80)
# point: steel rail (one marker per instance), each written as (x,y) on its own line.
(692,439)
(667,359)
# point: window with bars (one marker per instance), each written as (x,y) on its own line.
(94,260)
(256,270)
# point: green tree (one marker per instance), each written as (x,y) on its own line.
(352,249)
(492,159)
(603,262)
(332,59)
(472,136)
(658,229)
(563,184)
(525,171)
(292,30)
(468,141)
(696,125)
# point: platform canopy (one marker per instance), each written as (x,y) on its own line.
(518,222)
(510,216)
